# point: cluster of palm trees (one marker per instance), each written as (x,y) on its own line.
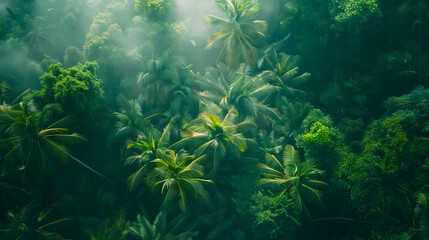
(191,167)
(217,138)
(184,155)
(179,154)
(34,140)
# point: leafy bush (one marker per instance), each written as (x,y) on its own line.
(354,13)
(276,217)
(320,137)
(76,87)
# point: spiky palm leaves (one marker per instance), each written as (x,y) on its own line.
(4,87)
(420,219)
(284,73)
(233,89)
(118,229)
(179,176)
(38,36)
(143,151)
(237,31)
(297,179)
(178,115)
(160,229)
(36,143)
(227,227)
(293,115)
(130,120)
(216,136)
(161,79)
(30,223)
(269,142)
(346,97)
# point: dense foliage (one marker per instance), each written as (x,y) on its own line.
(214,119)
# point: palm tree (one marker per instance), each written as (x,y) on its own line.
(293,115)
(269,142)
(38,36)
(234,89)
(178,176)
(4,88)
(30,223)
(298,179)
(227,224)
(143,151)
(237,31)
(160,229)
(36,142)
(283,73)
(161,79)
(130,120)
(216,136)
(114,230)
(177,116)
(420,219)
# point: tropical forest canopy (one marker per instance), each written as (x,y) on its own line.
(214,119)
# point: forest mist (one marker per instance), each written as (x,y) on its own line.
(214,119)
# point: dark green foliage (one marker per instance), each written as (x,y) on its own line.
(130,120)
(347,97)
(3,30)
(270,143)
(389,141)
(276,217)
(352,133)
(297,180)
(352,14)
(417,102)
(293,116)
(30,223)
(113,230)
(4,87)
(164,79)
(230,88)
(228,227)
(420,225)
(35,140)
(391,168)
(210,156)
(160,229)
